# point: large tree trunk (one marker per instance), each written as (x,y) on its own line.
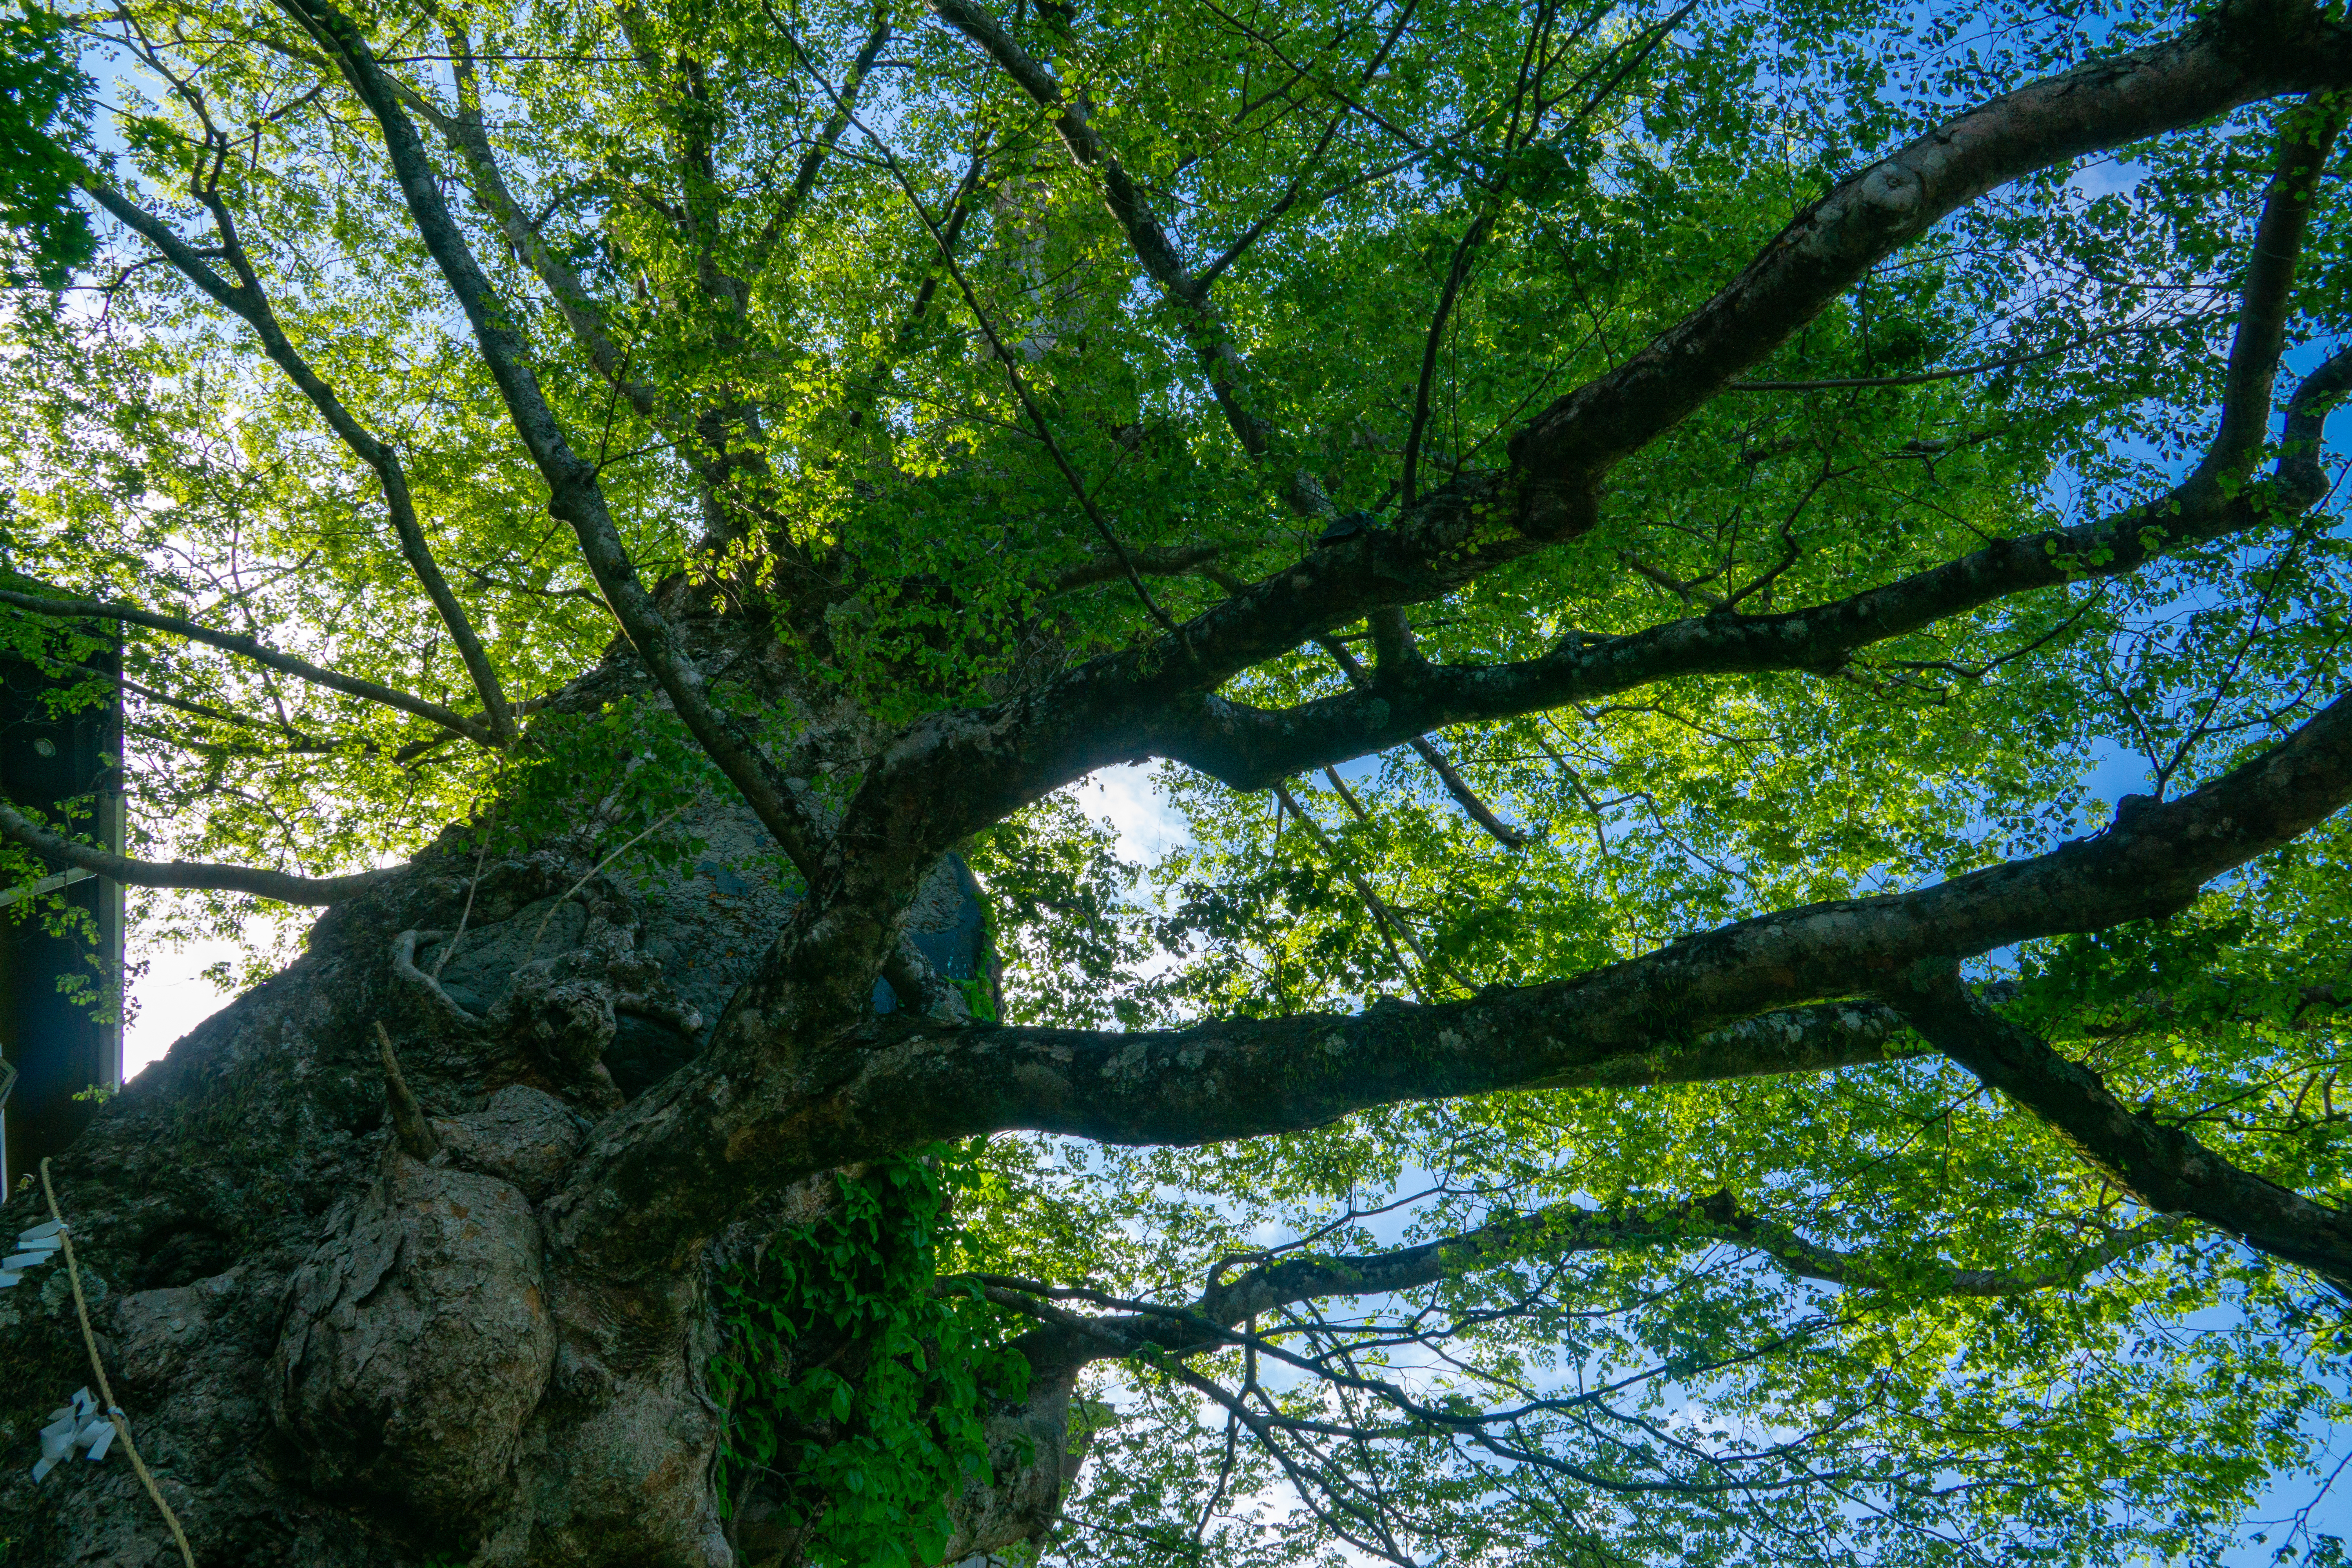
(334,1350)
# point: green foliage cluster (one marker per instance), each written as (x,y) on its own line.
(858,1377)
(154,457)
(44,109)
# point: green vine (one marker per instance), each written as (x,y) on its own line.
(856,1380)
(977,997)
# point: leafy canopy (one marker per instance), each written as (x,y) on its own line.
(859,351)
(44,108)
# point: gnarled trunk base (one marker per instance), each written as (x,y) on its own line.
(334,1351)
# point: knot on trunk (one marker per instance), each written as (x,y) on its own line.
(563,1021)
(558,1015)
(416,1343)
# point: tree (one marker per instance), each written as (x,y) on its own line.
(1628,529)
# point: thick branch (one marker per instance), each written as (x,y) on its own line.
(574,495)
(2307,137)
(664,1173)
(17,828)
(1155,701)
(2162,1166)
(1248,748)
(284,663)
(2242,52)
(1152,561)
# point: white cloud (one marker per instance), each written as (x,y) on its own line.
(1148,825)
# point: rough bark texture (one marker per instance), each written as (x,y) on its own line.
(481,1328)
(334,1353)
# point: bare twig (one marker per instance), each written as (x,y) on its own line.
(586,875)
(473,884)
(408,1124)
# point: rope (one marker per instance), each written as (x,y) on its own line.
(97,1369)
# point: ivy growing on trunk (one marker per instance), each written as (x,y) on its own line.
(853,1371)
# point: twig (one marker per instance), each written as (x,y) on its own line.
(1456,274)
(98,1371)
(1984,367)
(464,915)
(1380,906)
(408,1122)
(1501,832)
(650,829)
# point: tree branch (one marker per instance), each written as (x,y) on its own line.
(246,300)
(1247,747)
(2164,1167)
(2241,52)
(1209,1322)
(469,139)
(1157,699)
(641,1193)
(1457,272)
(960,206)
(702,441)
(1004,357)
(2305,141)
(286,889)
(1211,342)
(1859,1272)
(573,492)
(1478,811)
(284,663)
(1372,901)
(1289,198)
(828,137)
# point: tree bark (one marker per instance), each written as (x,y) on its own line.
(334,1351)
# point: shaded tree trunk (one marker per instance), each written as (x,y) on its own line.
(342,1341)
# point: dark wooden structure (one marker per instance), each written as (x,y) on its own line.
(53,965)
